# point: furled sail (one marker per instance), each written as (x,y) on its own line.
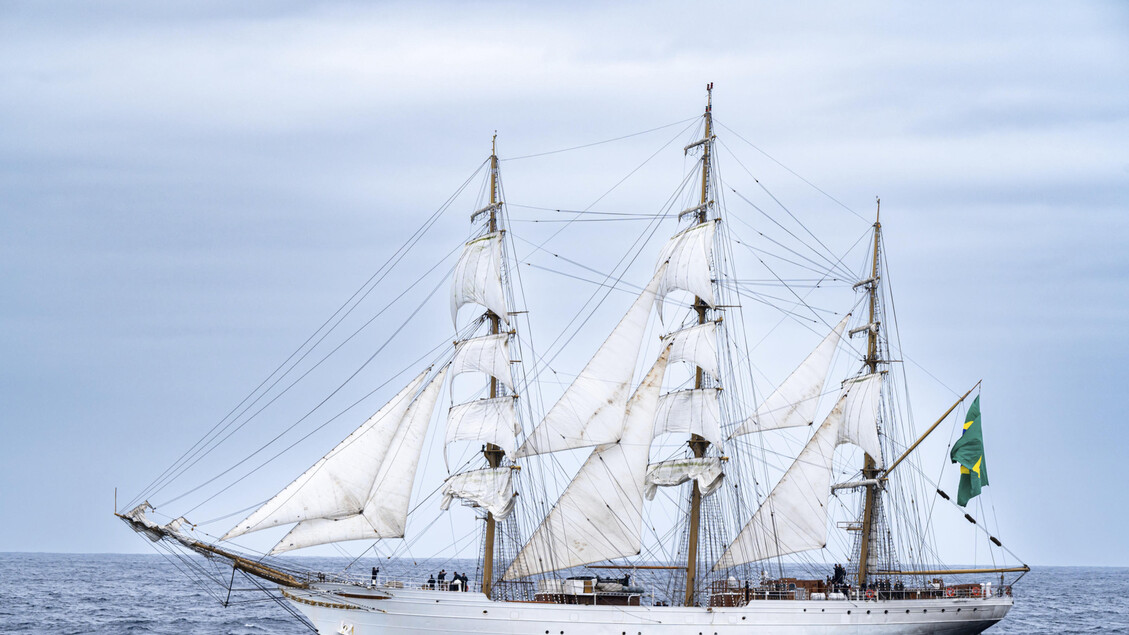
(600,514)
(487,420)
(705,470)
(491,489)
(478,277)
(590,412)
(696,345)
(693,411)
(339,483)
(385,513)
(688,255)
(488,354)
(793,517)
(794,403)
(860,414)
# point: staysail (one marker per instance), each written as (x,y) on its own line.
(600,514)
(795,401)
(793,517)
(590,412)
(385,514)
(339,483)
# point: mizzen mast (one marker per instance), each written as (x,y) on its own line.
(698,444)
(870,466)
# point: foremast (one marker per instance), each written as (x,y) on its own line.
(698,444)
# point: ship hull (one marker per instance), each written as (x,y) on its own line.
(406,612)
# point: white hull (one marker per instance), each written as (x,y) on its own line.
(408,611)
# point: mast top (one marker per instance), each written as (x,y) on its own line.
(709,96)
(494,145)
(878,212)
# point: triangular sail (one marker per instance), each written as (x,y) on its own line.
(600,514)
(793,517)
(696,345)
(688,254)
(691,411)
(487,420)
(385,513)
(590,411)
(478,277)
(794,403)
(489,354)
(339,483)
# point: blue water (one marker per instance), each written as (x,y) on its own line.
(72,594)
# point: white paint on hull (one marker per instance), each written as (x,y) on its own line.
(410,611)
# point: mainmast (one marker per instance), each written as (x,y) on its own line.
(698,444)
(492,452)
(869,468)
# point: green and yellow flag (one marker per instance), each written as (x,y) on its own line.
(969,452)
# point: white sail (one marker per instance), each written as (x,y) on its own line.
(385,512)
(487,420)
(488,354)
(337,485)
(478,277)
(600,514)
(692,411)
(696,345)
(491,489)
(705,470)
(793,517)
(794,403)
(860,414)
(590,412)
(688,254)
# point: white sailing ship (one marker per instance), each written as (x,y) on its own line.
(541,551)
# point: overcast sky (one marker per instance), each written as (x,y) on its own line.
(188,191)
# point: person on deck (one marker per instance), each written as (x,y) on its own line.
(456,581)
(466,582)
(431,582)
(375,572)
(442,578)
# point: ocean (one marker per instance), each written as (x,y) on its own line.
(64,594)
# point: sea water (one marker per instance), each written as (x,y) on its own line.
(65,594)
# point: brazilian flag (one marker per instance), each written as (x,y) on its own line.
(969,452)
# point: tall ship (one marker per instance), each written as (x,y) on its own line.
(654,488)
